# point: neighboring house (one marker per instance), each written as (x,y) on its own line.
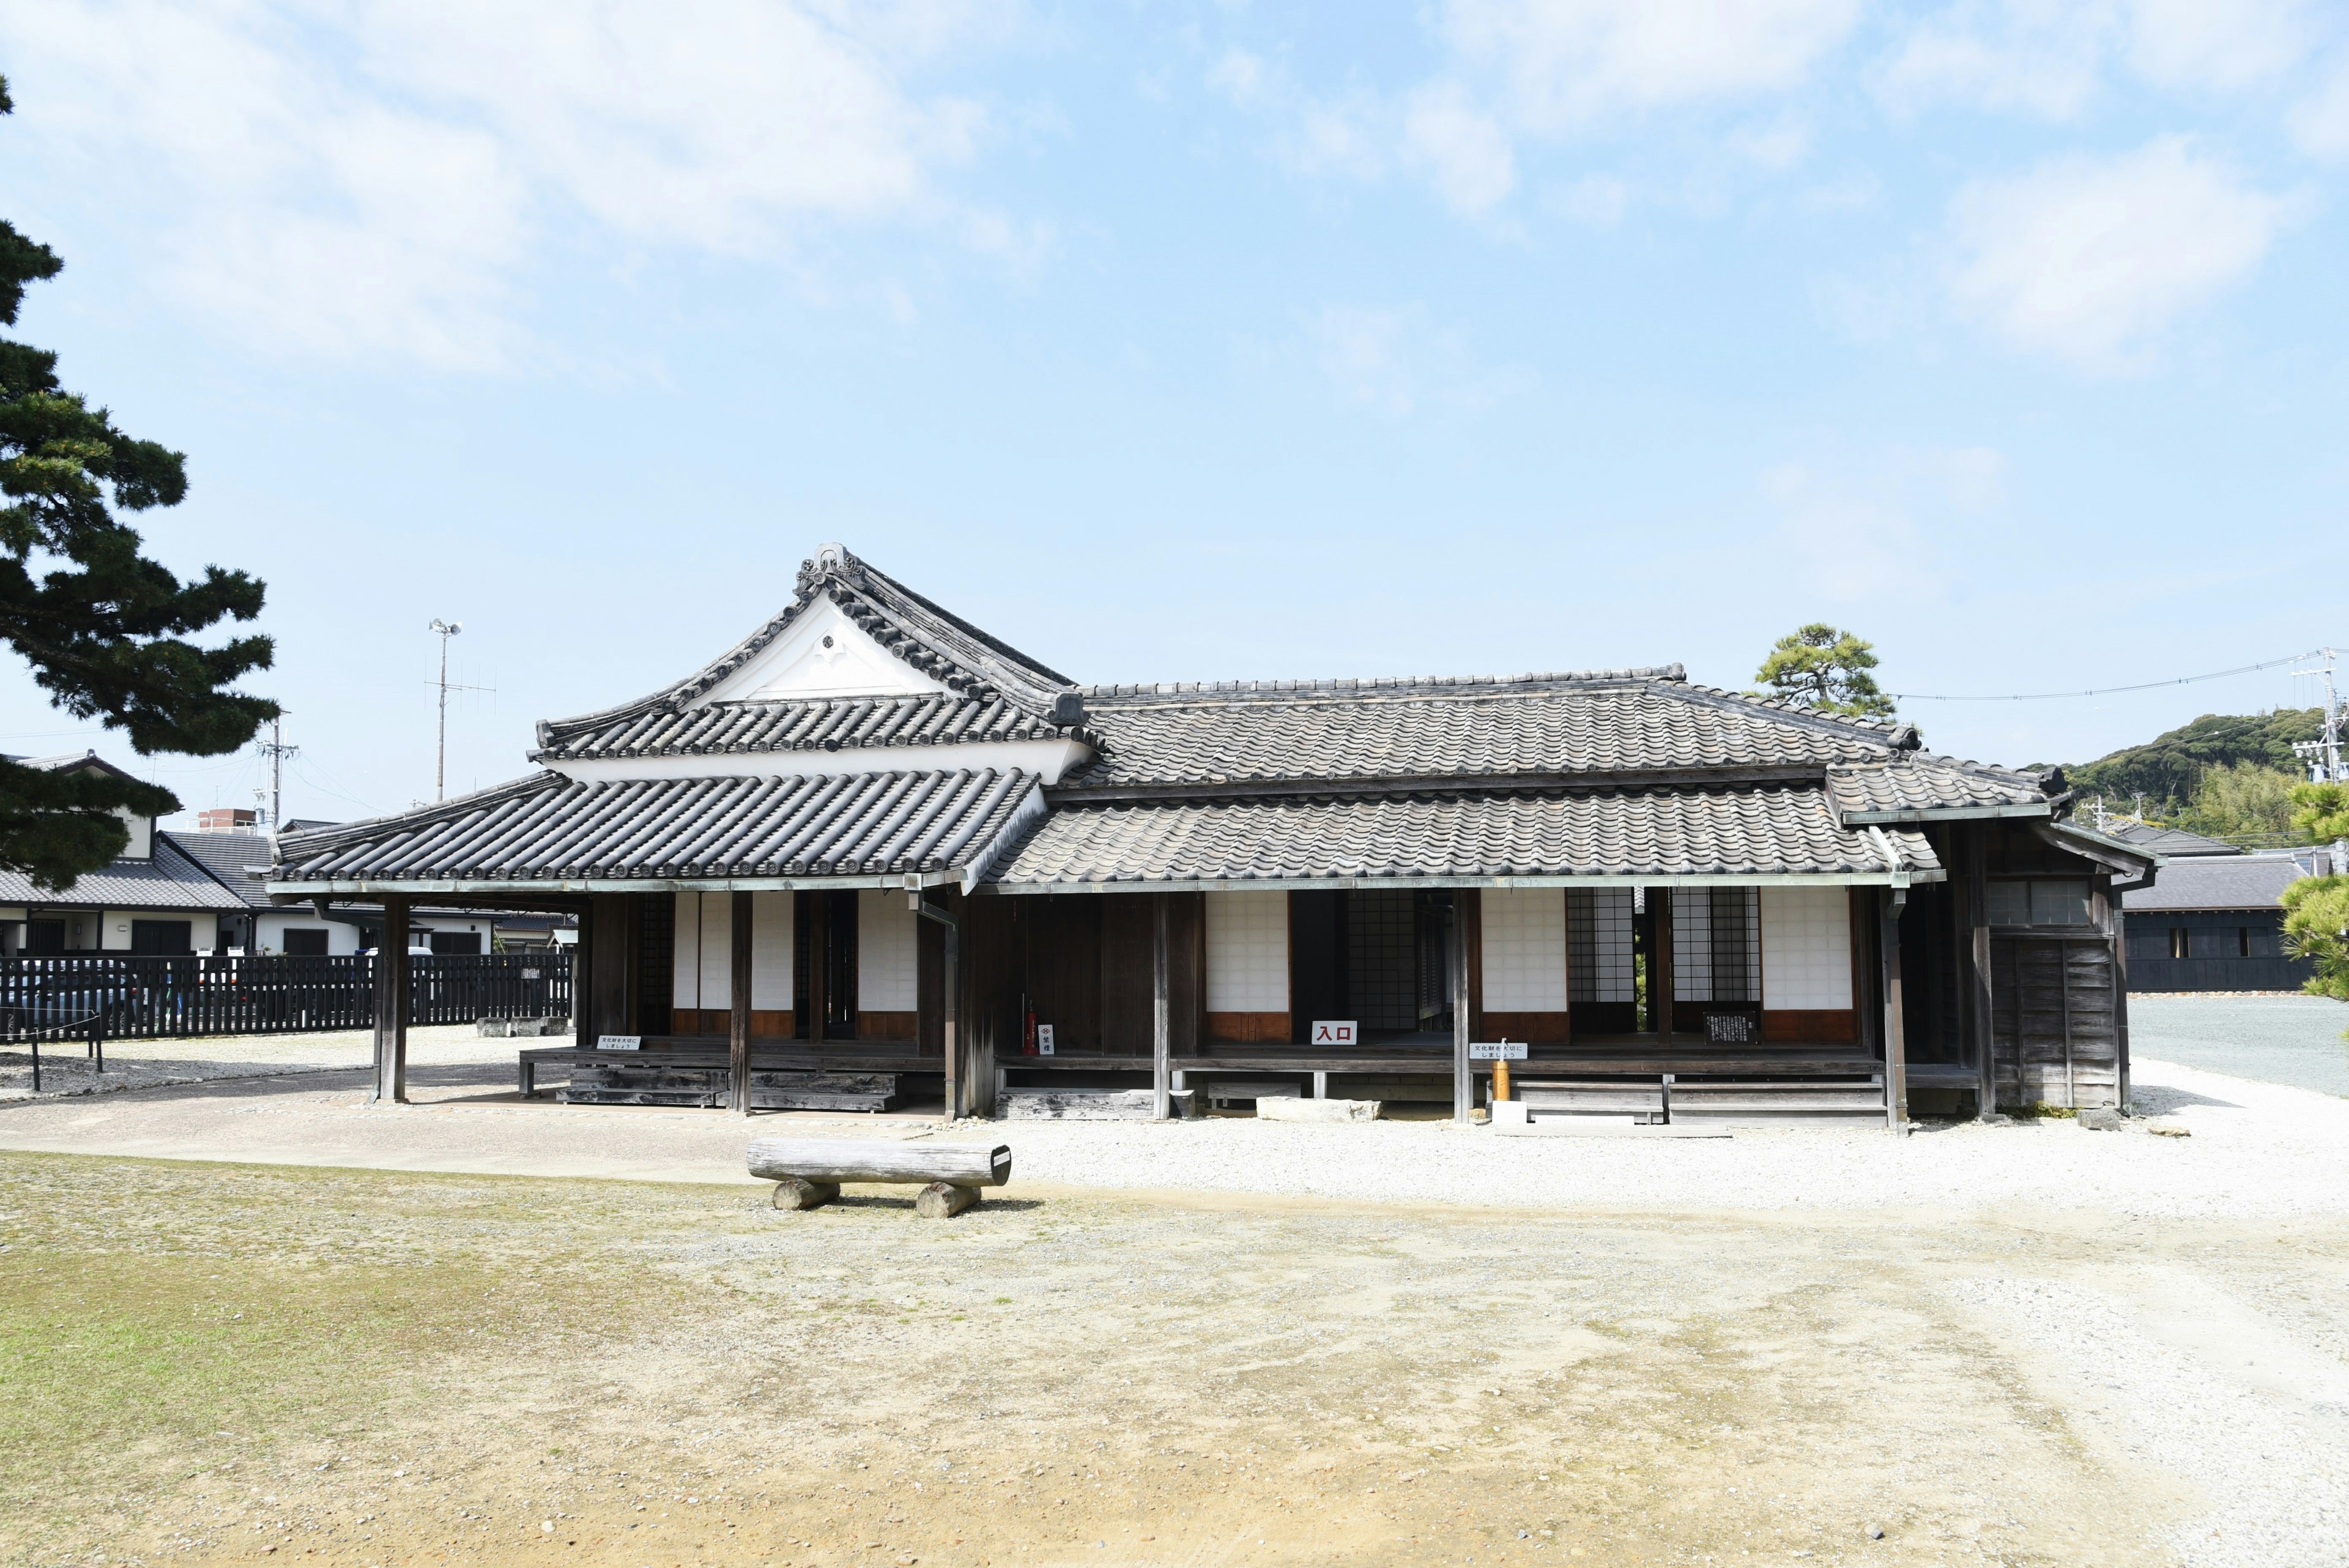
(239,860)
(2215,922)
(1636,874)
(2170,843)
(154,898)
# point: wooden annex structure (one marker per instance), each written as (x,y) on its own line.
(872,856)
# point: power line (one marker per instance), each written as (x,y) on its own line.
(2109,690)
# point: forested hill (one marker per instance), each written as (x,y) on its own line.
(2167,768)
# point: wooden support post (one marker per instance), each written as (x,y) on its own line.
(1659,963)
(1162,1022)
(1464,1082)
(1895,1040)
(1981,1036)
(950,999)
(2120,1000)
(738,1030)
(391,1004)
(1320,1085)
(585,1023)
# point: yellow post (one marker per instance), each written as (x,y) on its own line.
(1500,1077)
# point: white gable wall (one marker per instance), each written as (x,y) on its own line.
(824,654)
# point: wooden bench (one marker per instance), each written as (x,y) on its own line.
(807,1171)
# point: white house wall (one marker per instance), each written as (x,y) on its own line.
(887,953)
(1805,949)
(1248,953)
(1524,949)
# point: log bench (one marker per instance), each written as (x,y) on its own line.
(807,1171)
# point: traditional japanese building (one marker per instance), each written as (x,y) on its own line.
(872,854)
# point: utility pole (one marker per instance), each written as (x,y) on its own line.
(276,750)
(2324,754)
(447,629)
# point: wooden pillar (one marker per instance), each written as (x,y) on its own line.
(1162,1021)
(391,1004)
(1659,963)
(1464,1082)
(737,1029)
(950,999)
(585,1020)
(1896,1039)
(2120,1000)
(1980,1037)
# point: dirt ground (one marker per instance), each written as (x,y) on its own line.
(216,1361)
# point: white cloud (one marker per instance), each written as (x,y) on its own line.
(2042,57)
(2089,259)
(1397,363)
(372,177)
(1462,150)
(2321,123)
(1595,201)
(2225,46)
(1852,546)
(2049,57)
(1566,62)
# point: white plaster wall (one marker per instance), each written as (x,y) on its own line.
(1248,953)
(1805,947)
(703,973)
(113,927)
(269,933)
(1047,759)
(771,949)
(1524,949)
(824,654)
(887,953)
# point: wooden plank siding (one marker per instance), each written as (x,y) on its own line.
(2054,1031)
(1249,1028)
(1534,1028)
(1819,1025)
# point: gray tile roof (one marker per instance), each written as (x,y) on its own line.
(723,728)
(1911,787)
(170,881)
(1530,725)
(1737,832)
(231,858)
(976,666)
(2170,843)
(547,827)
(2215,882)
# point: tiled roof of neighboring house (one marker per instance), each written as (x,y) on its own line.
(2170,842)
(232,858)
(1916,787)
(2215,882)
(1626,721)
(547,827)
(170,881)
(971,664)
(832,724)
(1755,831)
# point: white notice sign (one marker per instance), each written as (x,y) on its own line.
(1043,1040)
(620,1042)
(1333,1032)
(1496,1051)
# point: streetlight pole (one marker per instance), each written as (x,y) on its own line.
(447,629)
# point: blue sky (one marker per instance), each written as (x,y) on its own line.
(1201,341)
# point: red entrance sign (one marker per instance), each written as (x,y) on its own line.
(1333,1032)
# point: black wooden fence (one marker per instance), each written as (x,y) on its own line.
(140,997)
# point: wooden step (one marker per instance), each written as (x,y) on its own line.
(650,1083)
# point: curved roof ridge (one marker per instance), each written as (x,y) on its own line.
(1357,685)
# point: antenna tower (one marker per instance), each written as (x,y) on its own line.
(2322,755)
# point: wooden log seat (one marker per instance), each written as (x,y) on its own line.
(808,1172)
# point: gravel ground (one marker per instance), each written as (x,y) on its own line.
(67,1071)
(2292,1040)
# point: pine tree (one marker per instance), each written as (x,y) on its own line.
(1825,667)
(105,629)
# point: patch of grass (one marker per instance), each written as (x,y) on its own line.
(162,1316)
